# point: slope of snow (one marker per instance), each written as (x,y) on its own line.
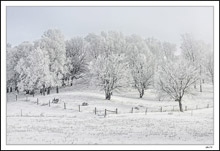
(29,123)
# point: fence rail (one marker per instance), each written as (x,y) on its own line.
(133,110)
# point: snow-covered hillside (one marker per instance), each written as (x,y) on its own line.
(29,123)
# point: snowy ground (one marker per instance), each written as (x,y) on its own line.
(29,123)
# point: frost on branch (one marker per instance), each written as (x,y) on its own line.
(210,66)
(34,70)
(175,79)
(52,41)
(141,64)
(142,72)
(110,72)
(13,56)
(76,58)
(195,51)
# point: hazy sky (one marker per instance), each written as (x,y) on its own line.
(163,23)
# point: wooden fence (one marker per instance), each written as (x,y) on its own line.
(145,110)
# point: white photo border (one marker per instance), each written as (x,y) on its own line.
(4,4)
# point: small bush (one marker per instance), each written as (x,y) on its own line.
(85,104)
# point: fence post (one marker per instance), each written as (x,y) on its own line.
(49,103)
(116,111)
(161,109)
(37,101)
(95,110)
(21,112)
(146,111)
(132,110)
(105,112)
(64,105)
(207,105)
(185,108)
(79,108)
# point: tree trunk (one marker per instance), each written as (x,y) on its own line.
(7,89)
(63,83)
(108,96)
(10,89)
(68,81)
(200,73)
(200,85)
(71,82)
(57,88)
(180,105)
(43,90)
(142,93)
(16,83)
(195,85)
(48,90)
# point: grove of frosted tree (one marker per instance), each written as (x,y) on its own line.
(112,62)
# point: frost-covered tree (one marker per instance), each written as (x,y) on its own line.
(155,47)
(189,48)
(52,41)
(175,79)
(136,43)
(210,66)
(204,52)
(105,43)
(161,50)
(142,71)
(34,71)
(110,72)
(194,51)
(141,63)
(10,64)
(93,45)
(13,56)
(112,41)
(168,50)
(76,58)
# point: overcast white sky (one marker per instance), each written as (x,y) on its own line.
(163,23)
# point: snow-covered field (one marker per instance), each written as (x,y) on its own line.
(29,123)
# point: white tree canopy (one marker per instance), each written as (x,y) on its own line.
(110,72)
(175,78)
(34,70)
(76,57)
(53,43)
